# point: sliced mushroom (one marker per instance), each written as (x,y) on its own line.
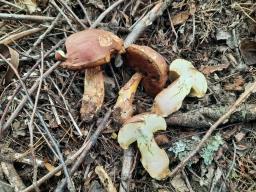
(187,81)
(152,66)
(87,50)
(140,128)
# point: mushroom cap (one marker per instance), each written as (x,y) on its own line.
(151,64)
(185,69)
(90,48)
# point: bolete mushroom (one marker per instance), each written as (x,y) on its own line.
(151,68)
(87,50)
(140,128)
(187,81)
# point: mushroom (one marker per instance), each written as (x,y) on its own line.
(187,81)
(87,50)
(140,128)
(151,68)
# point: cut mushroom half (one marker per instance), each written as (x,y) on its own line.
(187,81)
(140,129)
(87,51)
(151,68)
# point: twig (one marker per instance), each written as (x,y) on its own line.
(102,15)
(187,181)
(12,38)
(146,21)
(11,4)
(31,127)
(89,144)
(126,170)
(23,79)
(13,177)
(63,14)
(231,110)
(11,157)
(54,110)
(85,12)
(60,156)
(18,17)
(44,34)
(204,117)
(67,108)
(25,98)
(72,13)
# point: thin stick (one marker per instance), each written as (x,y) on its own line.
(85,12)
(49,29)
(146,21)
(12,38)
(18,17)
(103,15)
(31,127)
(231,110)
(81,153)
(23,79)
(67,108)
(90,143)
(25,98)
(60,156)
(72,13)
(63,14)
(11,4)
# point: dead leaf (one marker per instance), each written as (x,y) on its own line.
(30,5)
(8,52)
(180,18)
(207,70)
(236,85)
(162,139)
(50,168)
(248,51)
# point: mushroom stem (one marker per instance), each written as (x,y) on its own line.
(123,108)
(140,128)
(93,96)
(170,99)
(153,158)
(187,81)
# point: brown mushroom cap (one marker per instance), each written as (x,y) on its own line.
(90,48)
(151,64)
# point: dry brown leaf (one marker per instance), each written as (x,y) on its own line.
(50,168)
(248,51)
(183,16)
(207,70)
(162,139)
(180,18)
(8,52)
(236,85)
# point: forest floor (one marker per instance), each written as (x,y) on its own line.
(218,37)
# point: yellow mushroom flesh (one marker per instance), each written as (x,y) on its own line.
(187,81)
(140,128)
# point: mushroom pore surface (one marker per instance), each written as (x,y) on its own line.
(151,64)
